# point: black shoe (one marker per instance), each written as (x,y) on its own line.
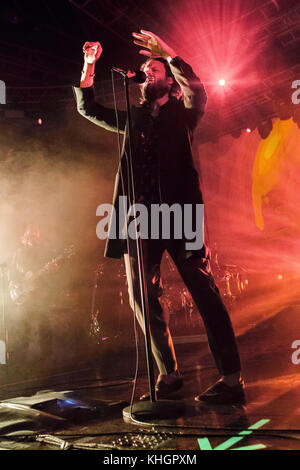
(165,390)
(224,394)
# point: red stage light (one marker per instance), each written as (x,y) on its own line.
(40,121)
(222,82)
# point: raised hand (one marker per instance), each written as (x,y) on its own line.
(155,45)
(92,51)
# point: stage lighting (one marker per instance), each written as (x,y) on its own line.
(248,130)
(40,121)
(222,82)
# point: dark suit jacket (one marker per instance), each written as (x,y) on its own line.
(178,178)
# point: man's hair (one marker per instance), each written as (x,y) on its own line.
(175,90)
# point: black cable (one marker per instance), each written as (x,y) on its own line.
(139,247)
(124,380)
(284,433)
(127,242)
(59,440)
(157,439)
(224,432)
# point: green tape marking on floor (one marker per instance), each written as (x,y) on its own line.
(204,443)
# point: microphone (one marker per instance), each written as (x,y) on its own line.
(137,76)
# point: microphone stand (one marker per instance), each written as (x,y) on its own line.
(153,408)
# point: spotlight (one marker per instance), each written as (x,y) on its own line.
(222,82)
(248,130)
(40,121)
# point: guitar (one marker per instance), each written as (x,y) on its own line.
(18,292)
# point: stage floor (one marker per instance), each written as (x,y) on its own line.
(90,415)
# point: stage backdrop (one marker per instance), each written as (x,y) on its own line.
(57,176)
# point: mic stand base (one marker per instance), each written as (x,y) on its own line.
(146,410)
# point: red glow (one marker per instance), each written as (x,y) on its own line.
(220,40)
(222,82)
(248,130)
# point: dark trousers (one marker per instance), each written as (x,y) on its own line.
(194,268)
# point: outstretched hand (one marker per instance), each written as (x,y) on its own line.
(155,46)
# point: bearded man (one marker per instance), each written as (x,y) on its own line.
(173,101)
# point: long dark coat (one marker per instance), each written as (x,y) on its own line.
(178,178)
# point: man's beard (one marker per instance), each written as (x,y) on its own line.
(154,91)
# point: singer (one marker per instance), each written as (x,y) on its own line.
(172,103)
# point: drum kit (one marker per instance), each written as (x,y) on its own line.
(176,300)
(231,279)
